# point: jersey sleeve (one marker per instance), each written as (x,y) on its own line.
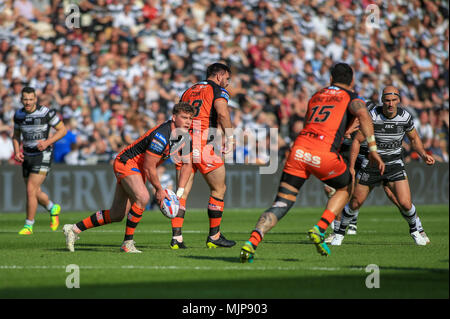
(221,93)
(53,118)
(370,105)
(16,122)
(157,145)
(410,123)
(356,96)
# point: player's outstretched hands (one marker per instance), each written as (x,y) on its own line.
(376,160)
(160,196)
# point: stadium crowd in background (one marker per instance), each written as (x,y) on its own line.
(117,68)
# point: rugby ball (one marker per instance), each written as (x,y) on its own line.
(170,207)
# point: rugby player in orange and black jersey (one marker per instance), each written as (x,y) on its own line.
(136,164)
(159,142)
(210,99)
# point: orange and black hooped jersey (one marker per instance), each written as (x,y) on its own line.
(202,96)
(327,118)
(157,142)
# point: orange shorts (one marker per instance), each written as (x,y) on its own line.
(325,165)
(204,160)
(122,170)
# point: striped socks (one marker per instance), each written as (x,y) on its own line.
(177,222)
(215,212)
(99,218)
(133,219)
(325,220)
(410,216)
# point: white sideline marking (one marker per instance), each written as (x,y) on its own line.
(169,267)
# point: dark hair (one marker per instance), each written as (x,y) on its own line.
(215,68)
(28,89)
(342,73)
(183,107)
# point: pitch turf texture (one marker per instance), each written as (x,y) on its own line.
(286,264)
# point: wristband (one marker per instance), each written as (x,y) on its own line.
(180,192)
(373,148)
(370,139)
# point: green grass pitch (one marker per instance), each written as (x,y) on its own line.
(286,264)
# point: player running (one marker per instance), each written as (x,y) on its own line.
(391,123)
(33,123)
(136,164)
(210,99)
(315,151)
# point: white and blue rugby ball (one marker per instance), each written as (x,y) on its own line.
(170,207)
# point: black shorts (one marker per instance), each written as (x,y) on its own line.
(37,164)
(370,176)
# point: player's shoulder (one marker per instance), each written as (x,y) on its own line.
(219,92)
(376,110)
(370,105)
(43,110)
(404,113)
(20,113)
(162,132)
(47,110)
(352,95)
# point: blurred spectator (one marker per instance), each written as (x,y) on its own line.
(66,144)
(6,144)
(439,150)
(425,130)
(102,113)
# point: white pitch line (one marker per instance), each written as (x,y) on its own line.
(173,267)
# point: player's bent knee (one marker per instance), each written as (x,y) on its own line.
(280,207)
(405,205)
(142,199)
(355,204)
(219,192)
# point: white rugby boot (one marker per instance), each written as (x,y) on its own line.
(128,247)
(418,239)
(71,237)
(337,240)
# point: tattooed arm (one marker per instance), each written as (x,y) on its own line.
(358,108)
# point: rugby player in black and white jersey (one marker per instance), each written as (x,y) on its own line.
(391,123)
(363,152)
(32,125)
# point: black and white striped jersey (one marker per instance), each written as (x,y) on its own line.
(34,127)
(389,133)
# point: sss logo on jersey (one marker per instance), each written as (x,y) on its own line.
(308,158)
